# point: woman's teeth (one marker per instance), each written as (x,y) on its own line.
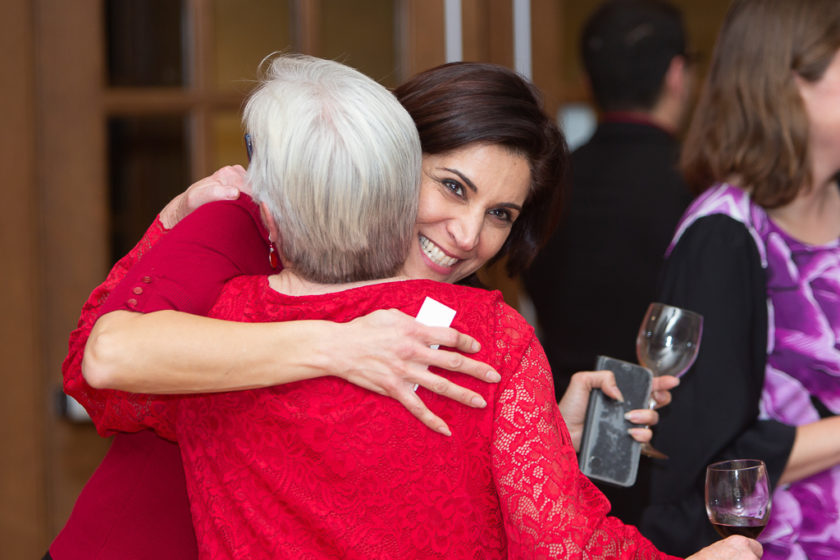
(435,254)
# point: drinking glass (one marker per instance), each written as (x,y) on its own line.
(667,344)
(738,497)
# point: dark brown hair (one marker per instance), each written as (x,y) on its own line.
(463,103)
(750,120)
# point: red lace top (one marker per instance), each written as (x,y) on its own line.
(324,469)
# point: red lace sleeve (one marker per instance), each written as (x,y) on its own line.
(185,272)
(551,510)
(74,383)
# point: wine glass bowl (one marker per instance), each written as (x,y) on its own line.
(738,497)
(668,339)
(667,344)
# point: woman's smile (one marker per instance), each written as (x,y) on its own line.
(436,254)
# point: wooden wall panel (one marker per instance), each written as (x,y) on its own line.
(422,36)
(23,502)
(73,211)
(547,17)
(488,31)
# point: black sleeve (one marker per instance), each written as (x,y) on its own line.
(715,270)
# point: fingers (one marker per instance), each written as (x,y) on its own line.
(643,417)
(599,379)
(224,184)
(232,175)
(449,389)
(446,336)
(662,389)
(665,382)
(403,392)
(415,405)
(453,361)
(391,352)
(210,192)
(642,435)
(735,547)
(755,547)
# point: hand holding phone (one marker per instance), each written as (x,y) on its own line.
(607,452)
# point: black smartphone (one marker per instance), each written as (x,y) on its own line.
(607,452)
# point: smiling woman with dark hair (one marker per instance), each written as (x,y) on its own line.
(467,104)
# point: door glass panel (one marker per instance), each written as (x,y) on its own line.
(228,144)
(245,33)
(148,165)
(361,35)
(144,47)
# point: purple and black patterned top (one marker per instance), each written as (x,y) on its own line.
(802,374)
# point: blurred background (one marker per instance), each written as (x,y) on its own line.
(111,107)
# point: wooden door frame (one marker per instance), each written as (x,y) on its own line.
(23,502)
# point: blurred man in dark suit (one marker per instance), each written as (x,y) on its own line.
(593,281)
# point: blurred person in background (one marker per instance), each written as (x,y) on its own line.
(591,283)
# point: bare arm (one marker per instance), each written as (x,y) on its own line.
(386,352)
(815,449)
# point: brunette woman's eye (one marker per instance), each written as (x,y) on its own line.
(503,214)
(454,186)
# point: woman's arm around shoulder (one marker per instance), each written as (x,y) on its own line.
(386,351)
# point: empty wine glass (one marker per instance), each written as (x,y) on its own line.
(738,497)
(667,344)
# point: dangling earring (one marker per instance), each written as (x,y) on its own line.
(273,261)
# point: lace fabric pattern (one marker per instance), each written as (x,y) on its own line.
(96,401)
(324,469)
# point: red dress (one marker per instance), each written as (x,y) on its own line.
(324,469)
(135,504)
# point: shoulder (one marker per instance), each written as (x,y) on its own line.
(715,268)
(224,212)
(486,316)
(256,284)
(242,296)
(716,233)
(221,220)
(462,298)
(723,214)
(476,306)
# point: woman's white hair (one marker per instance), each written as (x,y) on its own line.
(337,161)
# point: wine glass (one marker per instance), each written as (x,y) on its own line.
(667,344)
(738,497)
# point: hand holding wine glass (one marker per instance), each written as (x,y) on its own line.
(667,344)
(738,497)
